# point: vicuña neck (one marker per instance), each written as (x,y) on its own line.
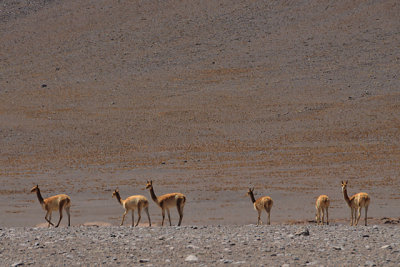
(153,195)
(252,197)
(39,196)
(346,197)
(118,197)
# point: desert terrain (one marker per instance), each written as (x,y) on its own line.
(205,98)
(208,245)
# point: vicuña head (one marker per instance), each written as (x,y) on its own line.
(356,202)
(54,203)
(115,193)
(260,204)
(167,201)
(138,202)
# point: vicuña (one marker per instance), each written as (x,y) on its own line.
(138,202)
(168,201)
(356,202)
(58,202)
(322,205)
(260,204)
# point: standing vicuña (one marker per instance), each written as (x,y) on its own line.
(167,201)
(355,203)
(322,205)
(260,204)
(131,203)
(58,202)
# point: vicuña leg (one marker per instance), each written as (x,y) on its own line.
(139,214)
(269,215)
(327,216)
(352,215)
(48,220)
(366,212)
(123,217)
(169,217)
(259,217)
(69,219)
(179,207)
(358,215)
(60,209)
(133,218)
(163,216)
(148,215)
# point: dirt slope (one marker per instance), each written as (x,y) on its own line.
(203,97)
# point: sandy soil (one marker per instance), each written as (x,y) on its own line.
(205,98)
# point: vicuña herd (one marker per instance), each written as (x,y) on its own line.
(178,200)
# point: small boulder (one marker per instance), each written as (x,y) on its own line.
(304,232)
(191,258)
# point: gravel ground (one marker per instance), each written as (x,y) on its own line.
(248,245)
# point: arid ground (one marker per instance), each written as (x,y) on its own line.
(205,98)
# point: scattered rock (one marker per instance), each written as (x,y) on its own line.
(191,258)
(370,263)
(303,232)
(144,260)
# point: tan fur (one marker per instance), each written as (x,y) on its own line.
(260,204)
(356,202)
(54,203)
(138,202)
(322,205)
(168,201)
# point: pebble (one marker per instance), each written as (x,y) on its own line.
(303,232)
(191,258)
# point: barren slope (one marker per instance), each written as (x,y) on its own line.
(205,98)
